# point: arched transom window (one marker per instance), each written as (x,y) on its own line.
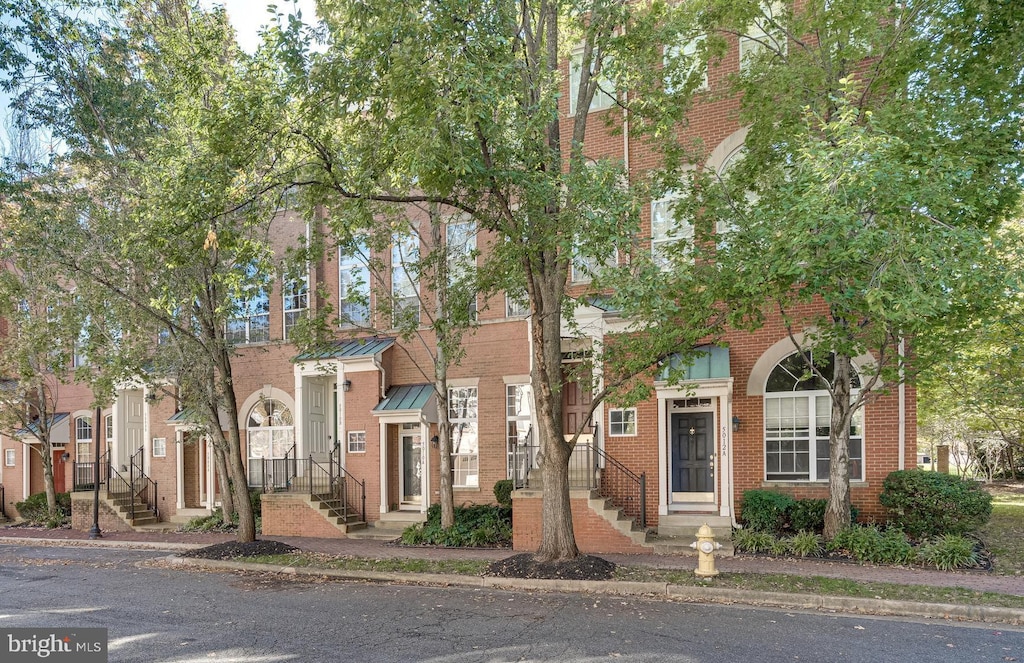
(797,420)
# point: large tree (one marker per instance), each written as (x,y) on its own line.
(461,104)
(162,128)
(883,148)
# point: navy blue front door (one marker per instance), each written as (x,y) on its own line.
(693,451)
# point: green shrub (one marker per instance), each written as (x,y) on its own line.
(948,552)
(893,548)
(35,512)
(780,546)
(765,510)
(807,515)
(503,492)
(806,544)
(256,501)
(482,525)
(931,504)
(858,541)
(212,523)
(752,541)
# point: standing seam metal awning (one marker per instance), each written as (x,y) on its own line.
(346,349)
(405,398)
(712,364)
(33,428)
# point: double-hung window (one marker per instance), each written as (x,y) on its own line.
(764,35)
(354,286)
(604,97)
(682,62)
(666,230)
(405,287)
(251,320)
(463,416)
(622,422)
(83,439)
(797,416)
(296,301)
(461,239)
(518,427)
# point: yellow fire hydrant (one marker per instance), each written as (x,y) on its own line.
(706,547)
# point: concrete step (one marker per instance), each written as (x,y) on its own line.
(680,545)
(374,534)
(687,524)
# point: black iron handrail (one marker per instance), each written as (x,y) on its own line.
(85,473)
(3,512)
(333,485)
(590,468)
(279,473)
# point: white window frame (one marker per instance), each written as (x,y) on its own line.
(622,427)
(688,51)
(10,457)
(604,97)
(159,447)
(250,325)
(279,427)
(357,442)
(761,31)
(83,439)
(666,230)
(354,287)
(464,415)
(460,237)
(819,411)
(518,425)
(405,288)
(516,306)
(295,301)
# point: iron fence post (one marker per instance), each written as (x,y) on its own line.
(643,500)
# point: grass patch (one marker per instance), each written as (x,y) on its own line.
(463,567)
(1004,533)
(763,582)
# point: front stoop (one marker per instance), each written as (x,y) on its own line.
(390,526)
(122,506)
(329,510)
(606,508)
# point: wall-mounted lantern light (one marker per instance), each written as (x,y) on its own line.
(735,424)
(346,385)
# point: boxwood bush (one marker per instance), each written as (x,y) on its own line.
(482,525)
(931,504)
(765,510)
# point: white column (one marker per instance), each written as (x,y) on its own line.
(425,468)
(662,457)
(383,467)
(300,416)
(179,448)
(342,425)
(26,452)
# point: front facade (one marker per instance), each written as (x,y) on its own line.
(741,420)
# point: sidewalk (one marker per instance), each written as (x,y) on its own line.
(980,581)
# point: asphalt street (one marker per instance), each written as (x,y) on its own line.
(155,612)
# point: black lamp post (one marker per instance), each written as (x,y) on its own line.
(95,533)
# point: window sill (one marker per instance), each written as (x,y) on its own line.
(816,484)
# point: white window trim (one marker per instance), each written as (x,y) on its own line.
(350,440)
(10,457)
(405,250)
(467,458)
(623,423)
(605,95)
(159,447)
(673,232)
(348,263)
(685,50)
(301,297)
(759,32)
(812,438)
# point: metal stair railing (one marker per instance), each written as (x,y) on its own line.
(591,468)
(279,473)
(3,512)
(84,473)
(136,487)
(521,455)
(330,482)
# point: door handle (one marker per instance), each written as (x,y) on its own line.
(711,459)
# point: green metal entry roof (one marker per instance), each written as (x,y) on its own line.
(404,398)
(188,415)
(713,363)
(33,428)
(349,348)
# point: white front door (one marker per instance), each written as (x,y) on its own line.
(410,449)
(134,427)
(316,418)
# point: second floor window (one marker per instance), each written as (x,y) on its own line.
(251,323)
(666,230)
(461,239)
(605,95)
(296,301)
(354,286)
(405,288)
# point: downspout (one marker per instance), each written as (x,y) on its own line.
(732,465)
(902,408)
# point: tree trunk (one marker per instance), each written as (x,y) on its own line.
(46,451)
(837,513)
(558,540)
(235,463)
(444,427)
(227,501)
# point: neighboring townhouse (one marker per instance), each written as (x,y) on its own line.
(364,409)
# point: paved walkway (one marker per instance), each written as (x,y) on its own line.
(981,581)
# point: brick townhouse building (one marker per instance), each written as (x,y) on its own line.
(742,419)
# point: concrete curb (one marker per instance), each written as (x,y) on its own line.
(844,604)
(99,543)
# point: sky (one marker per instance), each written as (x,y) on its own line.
(247,16)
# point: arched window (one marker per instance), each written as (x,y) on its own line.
(797,420)
(271,435)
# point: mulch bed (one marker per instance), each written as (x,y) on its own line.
(234,549)
(584,567)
